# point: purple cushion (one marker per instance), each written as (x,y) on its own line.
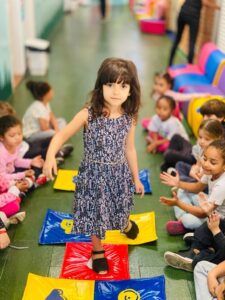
(208,89)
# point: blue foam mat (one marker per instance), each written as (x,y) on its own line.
(137,289)
(57,227)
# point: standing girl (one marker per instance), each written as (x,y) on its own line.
(188,211)
(104,187)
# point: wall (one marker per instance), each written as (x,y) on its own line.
(47,14)
(5,63)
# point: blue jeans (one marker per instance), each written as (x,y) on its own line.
(188,220)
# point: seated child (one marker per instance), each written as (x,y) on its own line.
(209,280)
(10,160)
(214,109)
(186,201)
(39,121)
(163,84)
(163,126)
(208,245)
(186,162)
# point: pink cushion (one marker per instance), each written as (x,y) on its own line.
(153,26)
(206,50)
(189,68)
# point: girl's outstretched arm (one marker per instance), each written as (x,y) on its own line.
(131,156)
(80,120)
(174,181)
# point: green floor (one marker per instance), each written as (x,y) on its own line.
(79,44)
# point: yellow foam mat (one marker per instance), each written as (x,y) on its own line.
(194,117)
(147,231)
(44,288)
(64,180)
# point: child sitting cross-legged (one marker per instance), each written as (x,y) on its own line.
(163,126)
(186,201)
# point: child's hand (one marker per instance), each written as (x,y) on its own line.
(207,206)
(151,148)
(37,161)
(169,179)
(195,172)
(4,239)
(212,283)
(29,173)
(139,188)
(214,222)
(169,201)
(219,291)
(22,185)
(50,168)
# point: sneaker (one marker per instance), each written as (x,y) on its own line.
(65,150)
(59,161)
(181,260)
(4,219)
(175,228)
(17,218)
(42,179)
(172,171)
(189,238)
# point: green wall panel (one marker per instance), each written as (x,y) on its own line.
(5,65)
(47,14)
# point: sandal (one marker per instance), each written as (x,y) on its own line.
(133,232)
(100,265)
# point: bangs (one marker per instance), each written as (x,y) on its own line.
(114,74)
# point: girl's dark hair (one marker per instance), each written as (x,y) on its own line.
(166,76)
(213,107)
(7,122)
(219,145)
(38,89)
(170,100)
(116,70)
(213,127)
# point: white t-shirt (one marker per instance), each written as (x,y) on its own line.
(197,151)
(37,110)
(167,128)
(216,192)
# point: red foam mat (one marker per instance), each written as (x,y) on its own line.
(77,255)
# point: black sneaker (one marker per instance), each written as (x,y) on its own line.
(180,260)
(65,151)
(189,238)
(59,160)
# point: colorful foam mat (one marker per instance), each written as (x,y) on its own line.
(134,289)
(65,180)
(57,229)
(78,265)
(44,288)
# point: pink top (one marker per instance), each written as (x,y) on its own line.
(8,163)
(183,97)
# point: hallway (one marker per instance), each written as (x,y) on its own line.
(79,43)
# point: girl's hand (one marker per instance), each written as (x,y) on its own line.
(4,239)
(169,201)
(37,161)
(50,168)
(139,188)
(212,283)
(195,172)
(29,173)
(219,291)
(213,223)
(207,206)
(169,179)
(151,148)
